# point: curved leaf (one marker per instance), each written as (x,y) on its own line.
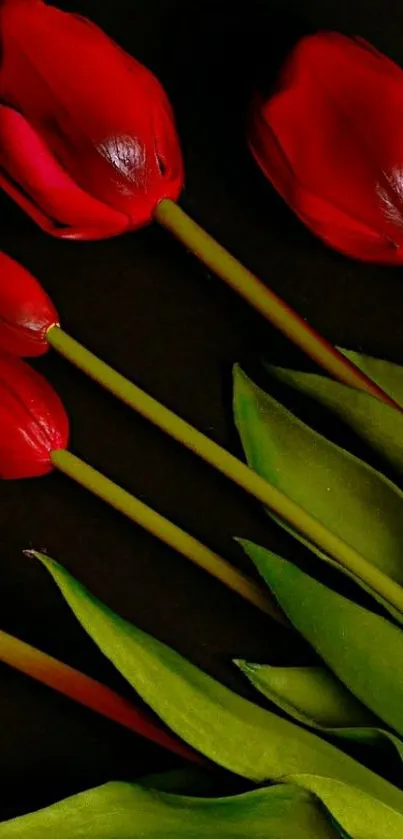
(393,612)
(364,650)
(349,497)
(356,811)
(377,423)
(127,811)
(229,729)
(314,697)
(312,692)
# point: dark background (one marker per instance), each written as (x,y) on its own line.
(143,304)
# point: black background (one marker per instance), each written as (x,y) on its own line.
(143,304)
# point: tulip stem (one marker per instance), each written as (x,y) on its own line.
(165,530)
(86,691)
(285,507)
(226,463)
(265,301)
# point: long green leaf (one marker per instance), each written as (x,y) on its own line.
(377,423)
(364,650)
(128,811)
(349,497)
(227,728)
(314,697)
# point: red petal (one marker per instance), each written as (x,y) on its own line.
(110,128)
(336,228)
(31,168)
(337,120)
(26,312)
(33,422)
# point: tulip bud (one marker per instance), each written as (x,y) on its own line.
(88,145)
(26,312)
(33,421)
(330,140)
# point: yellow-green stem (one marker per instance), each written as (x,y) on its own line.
(164,530)
(86,691)
(265,301)
(230,466)
(189,547)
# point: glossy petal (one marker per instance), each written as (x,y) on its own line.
(26,312)
(88,154)
(33,422)
(51,196)
(331,141)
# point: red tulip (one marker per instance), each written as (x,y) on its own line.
(33,422)
(88,145)
(89,149)
(26,312)
(330,140)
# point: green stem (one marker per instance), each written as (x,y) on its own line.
(226,463)
(189,547)
(164,530)
(265,301)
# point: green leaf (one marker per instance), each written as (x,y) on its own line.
(188,781)
(347,495)
(364,650)
(358,813)
(385,373)
(377,423)
(227,728)
(312,692)
(395,613)
(314,697)
(126,811)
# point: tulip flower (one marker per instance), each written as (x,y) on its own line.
(87,153)
(89,692)
(93,154)
(33,421)
(330,141)
(36,433)
(26,312)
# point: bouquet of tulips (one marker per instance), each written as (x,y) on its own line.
(88,157)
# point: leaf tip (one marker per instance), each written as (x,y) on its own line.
(32,554)
(245,666)
(41,557)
